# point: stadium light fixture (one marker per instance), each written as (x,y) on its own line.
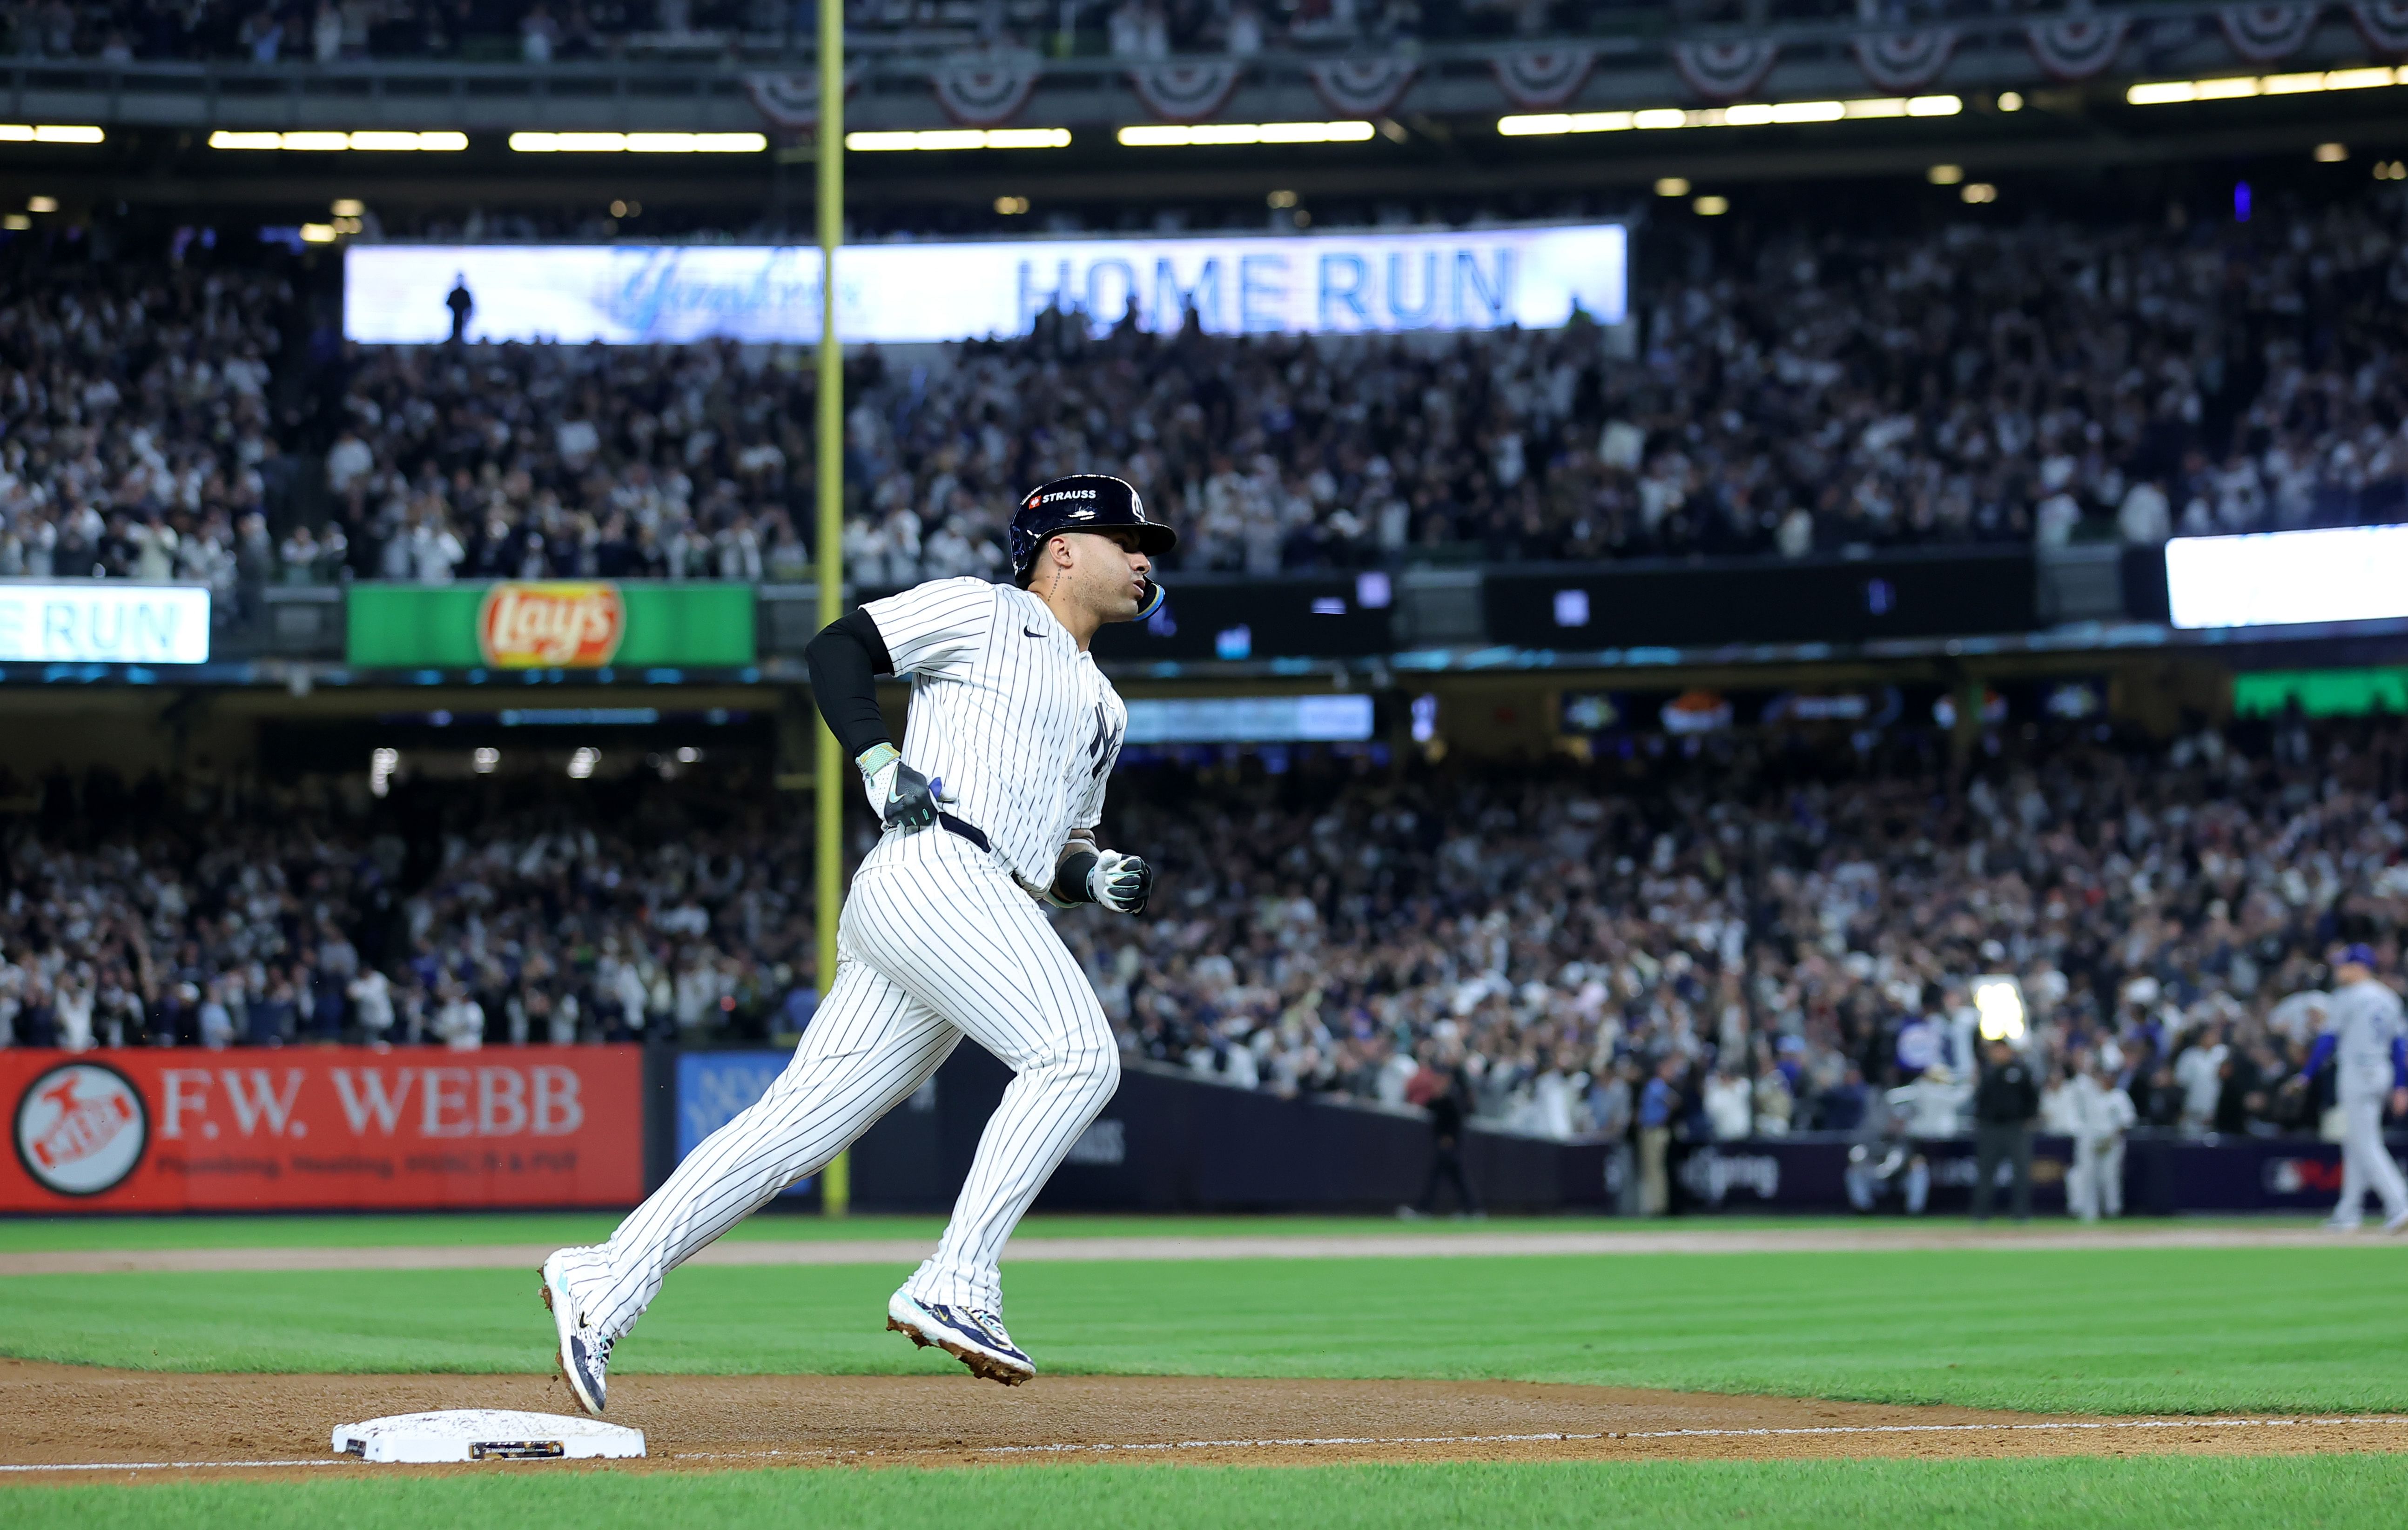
(16,222)
(375,142)
(581,764)
(2166,92)
(2331,153)
(638,143)
(41,204)
(947,139)
(1201,135)
(1754,114)
(383,765)
(1977,192)
(1011,206)
(2010,100)
(1711,206)
(485,760)
(1999,1001)
(1671,186)
(348,207)
(42,133)
(1944,174)
(317,234)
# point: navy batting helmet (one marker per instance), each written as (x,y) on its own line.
(1085,501)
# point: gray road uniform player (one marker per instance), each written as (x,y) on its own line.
(2366,1039)
(990,808)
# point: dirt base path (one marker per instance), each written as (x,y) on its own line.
(134,1424)
(1877,1236)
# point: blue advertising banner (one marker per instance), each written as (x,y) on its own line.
(714,1087)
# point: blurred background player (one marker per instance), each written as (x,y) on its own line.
(2367,1041)
(2097,1113)
(1889,1163)
(1441,1088)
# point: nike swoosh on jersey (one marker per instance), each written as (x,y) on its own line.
(1025,633)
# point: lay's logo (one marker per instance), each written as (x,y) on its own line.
(552,624)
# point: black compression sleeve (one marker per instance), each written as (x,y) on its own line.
(1071,875)
(845,659)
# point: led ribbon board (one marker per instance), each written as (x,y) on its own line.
(903,294)
(97,622)
(2286,578)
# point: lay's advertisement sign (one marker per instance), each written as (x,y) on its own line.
(522,624)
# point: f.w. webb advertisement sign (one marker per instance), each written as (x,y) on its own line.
(314,1129)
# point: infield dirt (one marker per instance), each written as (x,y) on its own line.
(67,1414)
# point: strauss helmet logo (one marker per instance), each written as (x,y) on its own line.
(81,1128)
(552,624)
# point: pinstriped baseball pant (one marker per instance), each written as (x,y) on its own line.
(937,942)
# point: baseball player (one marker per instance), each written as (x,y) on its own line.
(2098,1113)
(2367,1040)
(990,806)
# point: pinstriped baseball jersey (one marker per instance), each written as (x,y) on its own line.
(1007,710)
(938,940)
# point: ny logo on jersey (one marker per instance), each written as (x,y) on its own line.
(1102,748)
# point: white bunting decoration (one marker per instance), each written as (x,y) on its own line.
(791,99)
(2384,25)
(2262,34)
(1186,93)
(985,90)
(1904,62)
(2076,46)
(1724,71)
(1355,88)
(1542,79)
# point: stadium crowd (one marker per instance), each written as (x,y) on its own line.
(136,437)
(2002,382)
(546,31)
(1781,934)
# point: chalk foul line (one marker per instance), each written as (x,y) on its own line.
(1541,1437)
(176,1465)
(1698,1434)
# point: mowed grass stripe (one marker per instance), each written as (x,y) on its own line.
(556,1228)
(553,1229)
(2334,1492)
(2123,1331)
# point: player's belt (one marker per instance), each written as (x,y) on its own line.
(972,832)
(967,830)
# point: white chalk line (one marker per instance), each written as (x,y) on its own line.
(175,1466)
(1700,1434)
(1307,1442)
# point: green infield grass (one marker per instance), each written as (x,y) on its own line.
(2105,1330)
(2157,1493)
(32,1234)
(345,1230)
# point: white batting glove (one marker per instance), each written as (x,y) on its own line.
(1120,882)
(898,795)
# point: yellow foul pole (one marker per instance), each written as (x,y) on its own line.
(833,772)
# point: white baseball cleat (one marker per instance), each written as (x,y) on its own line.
(583,1354)
(977,1339)
(2398,1223)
